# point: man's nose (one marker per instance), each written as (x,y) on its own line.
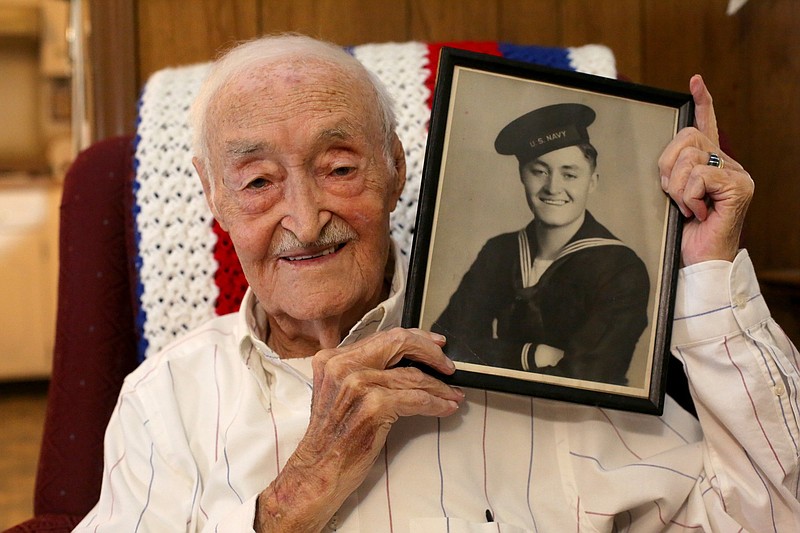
(553,183)
(304,213)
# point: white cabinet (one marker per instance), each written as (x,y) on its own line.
(28,276)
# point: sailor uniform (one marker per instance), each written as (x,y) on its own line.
(591,302)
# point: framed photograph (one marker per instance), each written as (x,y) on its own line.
(545,250)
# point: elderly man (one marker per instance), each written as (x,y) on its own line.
(292,416)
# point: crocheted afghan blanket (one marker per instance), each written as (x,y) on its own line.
(188,270)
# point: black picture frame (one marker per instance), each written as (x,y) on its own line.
(472,197)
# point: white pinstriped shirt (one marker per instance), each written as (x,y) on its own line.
(202,428)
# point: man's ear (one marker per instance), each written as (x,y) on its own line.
(208,188)
(593,181)
(399,158)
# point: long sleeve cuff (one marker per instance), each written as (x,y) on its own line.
(717,298)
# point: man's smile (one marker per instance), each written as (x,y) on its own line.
(553,201)
(306,255)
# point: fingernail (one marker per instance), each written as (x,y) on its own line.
(438,337)
(664,182)
(450,364)
(459,391)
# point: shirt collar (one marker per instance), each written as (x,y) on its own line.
(251,326)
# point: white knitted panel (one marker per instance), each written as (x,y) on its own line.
(176,242)
(593,59)
(402,67)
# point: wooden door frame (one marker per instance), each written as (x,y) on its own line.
(113,86)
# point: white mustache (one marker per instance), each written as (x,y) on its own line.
(334,232)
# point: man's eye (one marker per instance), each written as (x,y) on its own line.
(258,183)
(341,172)
(570,176)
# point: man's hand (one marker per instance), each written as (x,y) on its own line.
(358,394)
(714,200)
(547,355)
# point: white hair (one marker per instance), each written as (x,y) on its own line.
(272,50)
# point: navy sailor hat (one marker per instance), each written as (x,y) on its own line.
(544,130)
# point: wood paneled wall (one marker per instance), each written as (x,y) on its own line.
(751,62)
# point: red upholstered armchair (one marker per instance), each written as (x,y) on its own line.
(125,199)
(95,334)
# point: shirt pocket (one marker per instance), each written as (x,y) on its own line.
(459,525)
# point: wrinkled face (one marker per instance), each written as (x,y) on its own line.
(302,185)
(557,185)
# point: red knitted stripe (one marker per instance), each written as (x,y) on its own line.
(486,47)
(229,276)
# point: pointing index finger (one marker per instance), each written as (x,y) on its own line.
(704,115)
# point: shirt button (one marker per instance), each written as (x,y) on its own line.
(779,390)
(740,301)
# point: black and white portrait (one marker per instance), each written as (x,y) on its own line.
(561,295)
(547,239)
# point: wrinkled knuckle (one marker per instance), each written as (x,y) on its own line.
(323,356)
(696,173)
(338,368)
(662,162)
(421,399)
(365,403)
(372,404)
(354,382)
(397,334)
(320,360)
(415,376)
(352,396)
(688,155)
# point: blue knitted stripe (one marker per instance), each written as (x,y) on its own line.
(141,314)
(540,55)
